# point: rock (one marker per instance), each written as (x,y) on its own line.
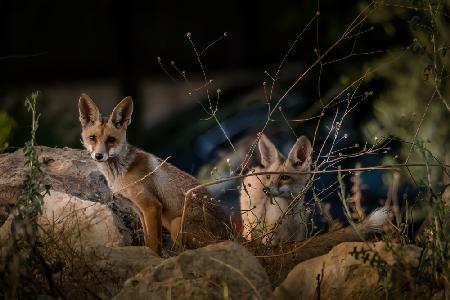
(223,270)
(114,265)
(82,223)
(5,229)
(79,240)
(103,271)
(279,260)
(68,171)
(341,275)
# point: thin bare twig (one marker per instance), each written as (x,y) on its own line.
(143,177)
(374,168)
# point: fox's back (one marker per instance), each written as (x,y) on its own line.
(203,217)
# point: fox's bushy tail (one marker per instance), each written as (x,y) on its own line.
(375,221)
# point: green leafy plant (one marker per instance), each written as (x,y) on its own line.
(7,125)
(415,105)
(24,266)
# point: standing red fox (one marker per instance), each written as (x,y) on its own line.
(156,188)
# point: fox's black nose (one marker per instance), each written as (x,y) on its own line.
(266,190)
(98,156)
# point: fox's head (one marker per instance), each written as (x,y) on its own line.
(298,160)
(104,138)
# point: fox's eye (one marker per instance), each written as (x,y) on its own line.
(110,140)
(92,137)
(285,177)
(268,176)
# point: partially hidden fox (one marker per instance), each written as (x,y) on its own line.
(272,205)
(155,188)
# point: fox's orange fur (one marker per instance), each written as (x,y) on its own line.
(158,197)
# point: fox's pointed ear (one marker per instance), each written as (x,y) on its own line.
(89,112)
(269,153)
(300,154)
(121,115)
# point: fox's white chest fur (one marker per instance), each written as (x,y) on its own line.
(114,184)
(114,173)
(271,219)
(292,220)
(272,203)
(129,184)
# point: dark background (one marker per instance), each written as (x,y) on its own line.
(109,49)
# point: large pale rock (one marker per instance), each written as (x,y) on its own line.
(213,272)
(81,240)
(83,223)
(68,171)
(341,275)
(279,260)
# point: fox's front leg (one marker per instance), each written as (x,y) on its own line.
(150,211)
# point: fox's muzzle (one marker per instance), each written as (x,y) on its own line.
(99,156)
(283,191)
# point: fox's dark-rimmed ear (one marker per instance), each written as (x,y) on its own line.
(121,115)
(269,153)
(89,112)
(300,154)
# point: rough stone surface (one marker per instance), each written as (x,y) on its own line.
(101,271)
(213,272)
(87,223)
(341,275)
(114,265)
(68,171)
(279,260)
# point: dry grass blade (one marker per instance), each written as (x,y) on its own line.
(356,197)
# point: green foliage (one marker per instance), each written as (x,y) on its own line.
(7,125)
(24,262)
(413,107)
(35,190)
(433,269)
